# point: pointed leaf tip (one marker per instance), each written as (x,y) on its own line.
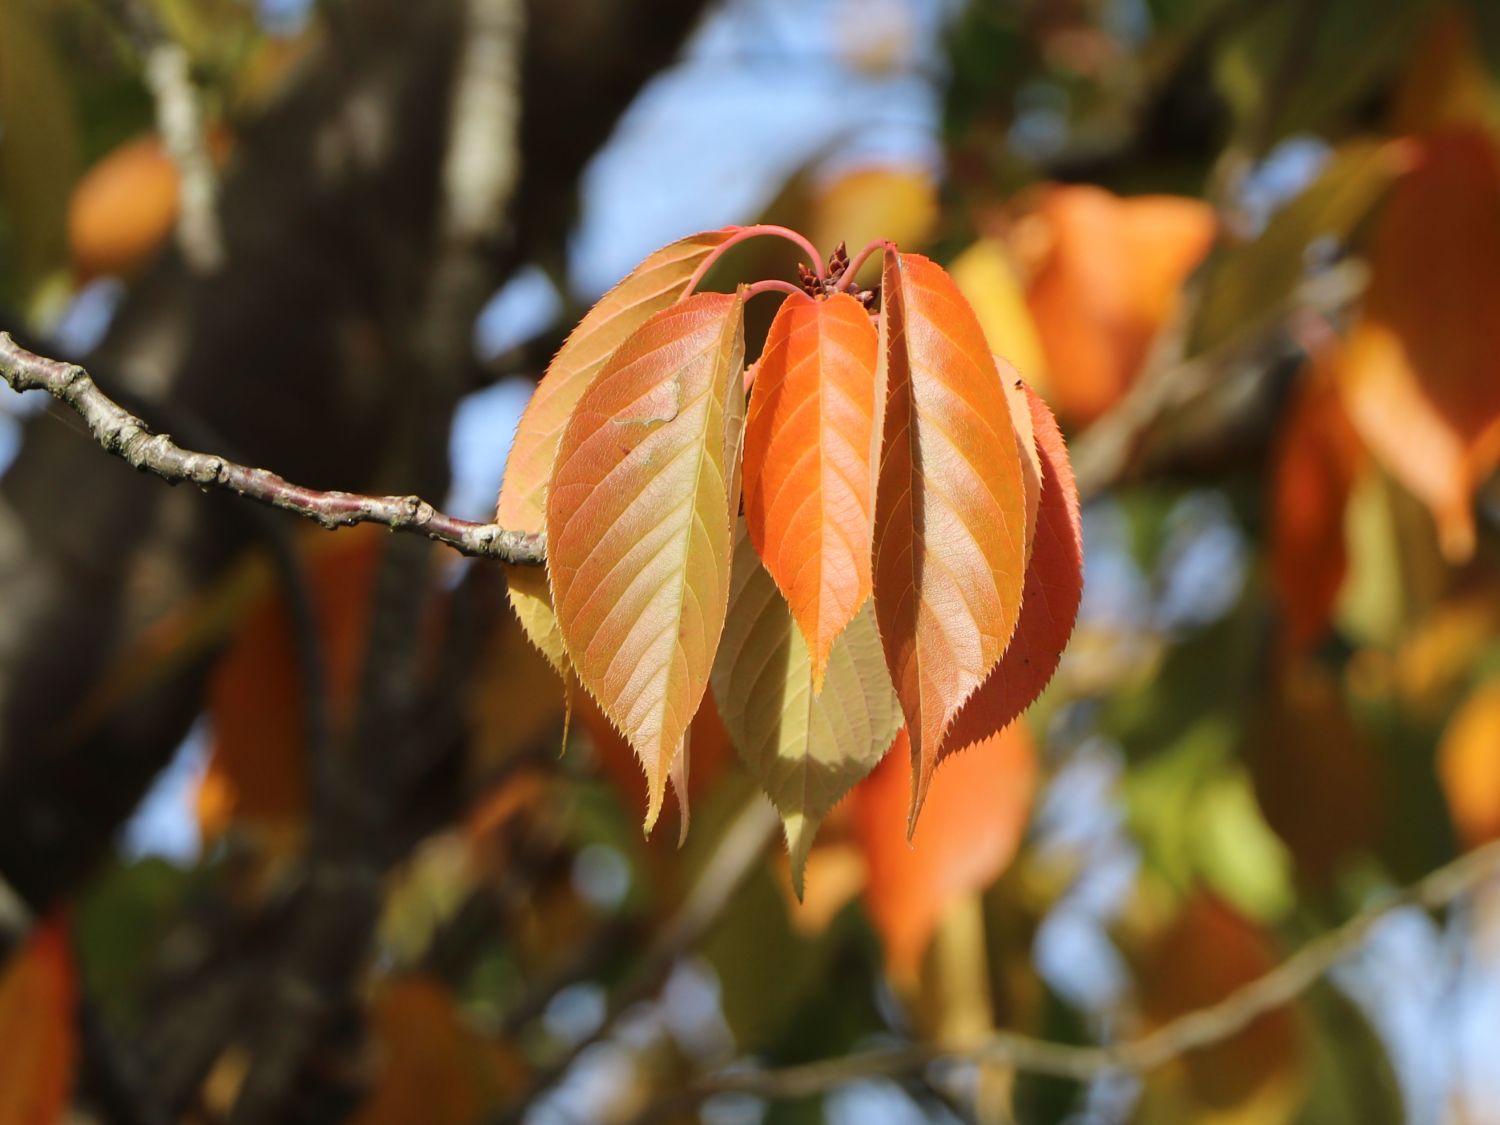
(809,501)
(639,524)
(1049,603)
(805,748)
(950,507)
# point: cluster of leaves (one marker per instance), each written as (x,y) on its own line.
(909,551)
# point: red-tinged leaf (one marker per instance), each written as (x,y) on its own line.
(1316,463)
(38,994)
(1320,782)
(806,748)
(711,754)
(1422,379)
(1207,953)
(976,812)
(652,286)
(809,481)
(1107,275)
(1049,605)
(1018,397)
(950,507)
(640,529)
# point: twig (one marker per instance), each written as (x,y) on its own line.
(126,436)
(1191,1032)
(741,846)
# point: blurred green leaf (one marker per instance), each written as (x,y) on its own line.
(38,145)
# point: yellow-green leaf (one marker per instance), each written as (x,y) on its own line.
(806,749)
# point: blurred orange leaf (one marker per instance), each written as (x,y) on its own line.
(1106,273)
(1422,377)
(1255,1076)
(881,201)
(257,769)
(975,814)
(37,1030)
(1317,777)
(431,1067)
(1468,766)
(1314,467)
(988,280)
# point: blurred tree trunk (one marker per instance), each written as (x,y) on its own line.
(300,354)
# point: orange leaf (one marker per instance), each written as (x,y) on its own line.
(37,996)
(1049,604)
(1207,953)
(257,771)
(640,523)
(1320,783)
(1469,766)
(122,210)
(1108,277)
(652,286)
(432,1067)
(976,812)
(1316,462)
(950,508)
(1422,382)
(809,481)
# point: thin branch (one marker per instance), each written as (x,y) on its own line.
(735,857)
(1190,1032)
(126,436)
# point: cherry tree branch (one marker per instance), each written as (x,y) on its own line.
(127,437)
(1192,1031)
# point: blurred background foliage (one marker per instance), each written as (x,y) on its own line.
(1249,252)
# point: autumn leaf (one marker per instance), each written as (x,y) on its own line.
(806,748)
(876,201)
(950,508)
(639,524)
(1319,781)
(431,1066)
(257,769)
(1049,602)
(976,812)
(1207,952)
(38,993)
(1315,465)
(1422,378)
(652,286)
(1468,766)
(988,279)
(809,452)
(1445,83)
(712,754)
(1107,276)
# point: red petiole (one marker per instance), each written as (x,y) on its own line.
(745,233)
